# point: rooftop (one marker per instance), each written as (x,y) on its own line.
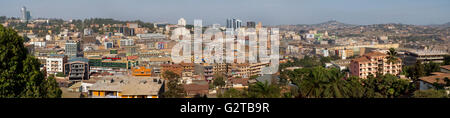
(446,67)
(436,77)
(130,85)
(374,54)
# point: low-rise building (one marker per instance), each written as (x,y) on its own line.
(127,87)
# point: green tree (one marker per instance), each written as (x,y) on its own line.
(320,82)
(387,86)
(416,71)
(20,76)
(175,89)
(447,60)
(392,56)
(264,90)
(431,67)
(219,80)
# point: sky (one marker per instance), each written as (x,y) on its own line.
(269,12)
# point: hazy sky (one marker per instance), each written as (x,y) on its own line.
(270,12)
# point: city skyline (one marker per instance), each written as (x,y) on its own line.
(361,12)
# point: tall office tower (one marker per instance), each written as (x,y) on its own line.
(238,24)
(229,23)
(251,24)
(26,15)
(234,23)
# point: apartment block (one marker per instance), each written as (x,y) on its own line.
(55,63)
(373,63)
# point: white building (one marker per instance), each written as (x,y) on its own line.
(126,42)
(182,22)
(55,63)
(39,43)
(48,38)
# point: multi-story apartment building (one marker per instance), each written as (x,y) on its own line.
(373,63)
(246,70)
(77,69)
(55,63)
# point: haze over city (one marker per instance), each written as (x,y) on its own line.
(270,12)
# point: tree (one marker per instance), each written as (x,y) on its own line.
(431,67)
(219,80)
(447,60)
(416,71)
(175,89)
(320,82)
(20,76)
(392,56)
(264,90)
(387,86)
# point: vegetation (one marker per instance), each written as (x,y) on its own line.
(60,74)
(20,76)
(264,90)
(175,89)
(219,81)
(392,56)
(319,82)
(447,60)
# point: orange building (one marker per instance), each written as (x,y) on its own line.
(141,71)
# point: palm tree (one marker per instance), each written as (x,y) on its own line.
(392,56)
(264,90)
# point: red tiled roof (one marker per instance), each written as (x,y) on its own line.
(243,81)
(446,67)
(434,78)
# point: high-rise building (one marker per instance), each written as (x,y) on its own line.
(26,15)
(234,23)
(251,24)
(229,23)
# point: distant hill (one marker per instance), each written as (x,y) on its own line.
(332,24)
(441,25)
